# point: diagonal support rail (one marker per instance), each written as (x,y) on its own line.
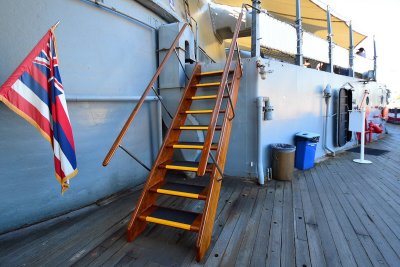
(132,116)
(135,158)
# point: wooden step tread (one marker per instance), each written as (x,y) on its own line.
(192,145)
(181,190)
(202,111)
(192,166)
(170,217)
(197,127)
(204,97)
(215,72)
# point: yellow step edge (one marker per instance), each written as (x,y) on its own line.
(207,84)
(193,127)
(204,97)
(188,146)
(168,223)
(212,72)
(198,111)
(177,193)
(181,168)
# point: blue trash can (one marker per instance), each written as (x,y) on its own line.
(306,144)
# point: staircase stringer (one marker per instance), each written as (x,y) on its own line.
(210,207)
(157,175)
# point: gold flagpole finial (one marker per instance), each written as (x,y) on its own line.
(53,28)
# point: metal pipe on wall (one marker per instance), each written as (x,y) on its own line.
(113,10)
(99,98)
(78,98)
(327,95)
(260,115)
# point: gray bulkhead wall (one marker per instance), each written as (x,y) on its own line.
(296,95)
(101,54)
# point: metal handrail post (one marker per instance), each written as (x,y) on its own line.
(351,52)
(328,19)
(299,31)
(375,58)
(255,29)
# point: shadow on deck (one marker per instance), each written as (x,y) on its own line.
(339,214)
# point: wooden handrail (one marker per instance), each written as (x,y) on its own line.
(131,117)
(214,117)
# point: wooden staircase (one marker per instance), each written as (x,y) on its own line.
(157,184)
(221,95)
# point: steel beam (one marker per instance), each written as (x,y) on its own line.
(299,30)
(255,29)
(351,52)
(328,19)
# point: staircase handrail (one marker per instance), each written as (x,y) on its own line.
(221,90)
(132,116)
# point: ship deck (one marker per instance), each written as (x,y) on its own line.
(337,214)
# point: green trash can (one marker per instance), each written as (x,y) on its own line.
(282,161)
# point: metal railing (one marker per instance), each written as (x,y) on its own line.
(149,87)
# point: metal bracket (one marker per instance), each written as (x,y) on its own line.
(135,158)
(162,103)
(180,62)
(216,165)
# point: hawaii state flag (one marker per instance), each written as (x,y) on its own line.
(34,91)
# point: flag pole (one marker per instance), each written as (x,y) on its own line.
(53,28)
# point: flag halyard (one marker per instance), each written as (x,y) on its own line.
(35,92)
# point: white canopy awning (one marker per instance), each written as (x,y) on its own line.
(313,18)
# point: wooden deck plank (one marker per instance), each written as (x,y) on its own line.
(375,208)
(259,253)
(288,248)
(228,196)
(349,237)
(343,197)
(221,244)
(302,253)
(317,257)
(275,237)
(337,214)
(250,236)
(372,228)
(232,250)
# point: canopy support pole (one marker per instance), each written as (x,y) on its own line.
(375,57)
(299,30)
(255,29)
(328,19)
(351,52)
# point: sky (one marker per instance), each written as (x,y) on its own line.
(379,18)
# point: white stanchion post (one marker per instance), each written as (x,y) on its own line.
(361,159)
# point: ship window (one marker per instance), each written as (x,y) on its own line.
(367,100)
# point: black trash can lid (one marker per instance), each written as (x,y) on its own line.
(283,147)
(314,137)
